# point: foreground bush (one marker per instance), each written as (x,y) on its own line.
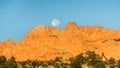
(90,59)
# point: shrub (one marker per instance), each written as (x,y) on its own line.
(77,61)
(35,63)
(58,59)
(64,65)
(51,62)
(99,64)
(112,62)
(91,58)
(57,65)
(2,59)
(11,63)
(118,63)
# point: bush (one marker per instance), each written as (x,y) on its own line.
(112,62)
(77,61)
(2,61)
(64,65)
(99,64)
(91,58)
(11,63)
(51,62)
(35,63)
(118,63)
(58,59)
(57,65)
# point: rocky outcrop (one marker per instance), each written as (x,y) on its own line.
(47,42)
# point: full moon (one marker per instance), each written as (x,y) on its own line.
(55,22)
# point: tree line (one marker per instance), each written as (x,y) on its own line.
(89,59)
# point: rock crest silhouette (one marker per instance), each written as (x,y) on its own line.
(47,42)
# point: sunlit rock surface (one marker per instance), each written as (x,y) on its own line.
(47,42)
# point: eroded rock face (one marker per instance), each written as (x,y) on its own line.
(46,42)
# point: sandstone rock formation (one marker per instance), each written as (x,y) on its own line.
(46,42)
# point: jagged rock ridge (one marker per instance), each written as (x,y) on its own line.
(46,42)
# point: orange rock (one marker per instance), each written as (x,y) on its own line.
(46,42)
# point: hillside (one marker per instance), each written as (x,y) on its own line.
(46,42)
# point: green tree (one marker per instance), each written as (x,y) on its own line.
(35,63)
(57,65)
(58,59)
(2,61)
(64,65)
(118,63)
(26,64)
(111,62)
(23,63)
(51,62)
(99,64)
(40,62)
(45,65)
(91,58)
(11,63)
(77,61)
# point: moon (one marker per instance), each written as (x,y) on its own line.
(55,22)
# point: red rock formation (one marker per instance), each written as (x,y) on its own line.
(46,42)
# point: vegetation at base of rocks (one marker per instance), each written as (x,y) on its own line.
(87,60)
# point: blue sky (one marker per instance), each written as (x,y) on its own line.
(18,16)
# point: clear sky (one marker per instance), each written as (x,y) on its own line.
(18,16)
